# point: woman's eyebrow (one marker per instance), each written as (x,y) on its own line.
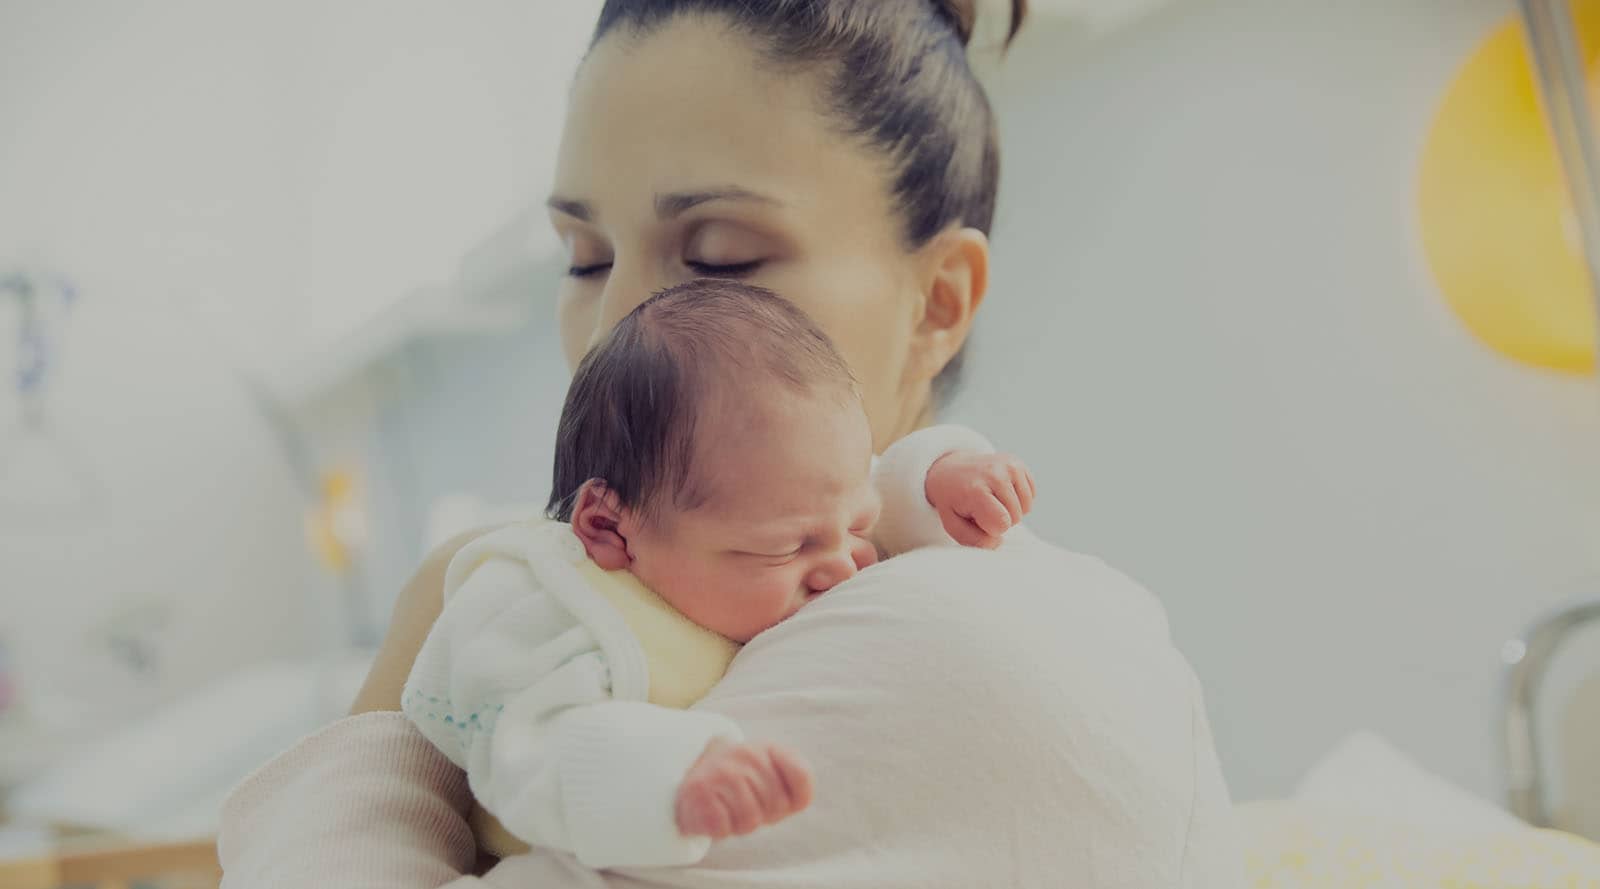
(667,205)
(576,209)
(676,203)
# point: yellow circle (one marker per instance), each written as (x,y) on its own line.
(1497,222)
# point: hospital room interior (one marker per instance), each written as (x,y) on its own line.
(1292,317)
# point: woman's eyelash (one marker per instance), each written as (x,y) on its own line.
(732,270)
(710,270)
(586,271)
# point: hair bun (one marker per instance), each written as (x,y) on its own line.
(963,16)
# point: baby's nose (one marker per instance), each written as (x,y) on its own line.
(864,553)
(832,571)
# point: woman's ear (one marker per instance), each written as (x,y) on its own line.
(955,280)
(596,518)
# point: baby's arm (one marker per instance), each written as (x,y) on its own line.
(944,485)
(629,784)
(735,788)
(512,688)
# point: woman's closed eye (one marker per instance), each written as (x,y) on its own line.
(723,249)
(702,269)
(724,270)
(589,271)
(588,254)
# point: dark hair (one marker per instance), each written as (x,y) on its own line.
(896,75)
(631,411)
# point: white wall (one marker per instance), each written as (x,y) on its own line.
(231,184)
(1240,385)
(431,124)
(146,150)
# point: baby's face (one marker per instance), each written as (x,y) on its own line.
(789,508)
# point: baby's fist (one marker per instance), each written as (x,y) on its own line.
(733,789)
(979,496)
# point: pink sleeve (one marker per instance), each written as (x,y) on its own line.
(367,801)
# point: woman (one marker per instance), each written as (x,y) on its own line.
(973,718)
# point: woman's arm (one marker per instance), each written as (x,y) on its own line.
(368,801)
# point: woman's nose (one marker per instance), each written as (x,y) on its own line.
(627,286)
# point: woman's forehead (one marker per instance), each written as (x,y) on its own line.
(690,106)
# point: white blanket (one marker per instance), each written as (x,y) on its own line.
(1366,776)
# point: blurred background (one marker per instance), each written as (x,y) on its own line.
(262,264)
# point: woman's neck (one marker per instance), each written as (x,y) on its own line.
(910,422)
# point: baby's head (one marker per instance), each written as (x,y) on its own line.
(714,444)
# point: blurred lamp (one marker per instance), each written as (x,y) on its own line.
(1504,199)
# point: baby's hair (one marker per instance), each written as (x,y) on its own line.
(632,409)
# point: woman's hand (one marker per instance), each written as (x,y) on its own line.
(733,789)
(979,496)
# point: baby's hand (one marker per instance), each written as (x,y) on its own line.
(733,789)
(979,496)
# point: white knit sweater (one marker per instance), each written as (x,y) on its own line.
(542,683)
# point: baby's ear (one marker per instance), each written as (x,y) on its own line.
(595,519)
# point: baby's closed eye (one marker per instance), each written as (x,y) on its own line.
(773,556)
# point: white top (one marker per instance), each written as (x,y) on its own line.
(1011,718)
(533,682)
(1017,718)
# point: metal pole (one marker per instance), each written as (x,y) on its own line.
(1563,84)
(1528,659)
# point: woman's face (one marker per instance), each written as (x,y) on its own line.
(683,158)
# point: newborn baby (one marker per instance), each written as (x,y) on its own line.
(713,474)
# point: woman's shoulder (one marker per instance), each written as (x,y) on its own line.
(1060,619)
(1043,678)
(1078,593)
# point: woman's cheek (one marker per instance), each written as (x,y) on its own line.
(575,315)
